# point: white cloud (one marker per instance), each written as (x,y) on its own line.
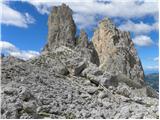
(156,59)
(10,49)
(127,8)
(84,21)
(6,45)
(143,40)
(155,67)
(88,9)
(138,28)
(15,18)
(25,55)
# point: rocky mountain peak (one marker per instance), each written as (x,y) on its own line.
(116,51)
(100,79)
(83,41)
(107,23)
(61,28)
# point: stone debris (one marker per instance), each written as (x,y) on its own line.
(74,78)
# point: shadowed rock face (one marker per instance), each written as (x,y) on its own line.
(61,28)
(116,51)
(83,41)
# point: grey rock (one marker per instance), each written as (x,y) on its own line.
(137,116)
(87,95)
(116,51)
(106,104)
(151,92)
(10,91)
(92,69)
(137,99)
(82,41)
(92,90)
(10,114)
(121,78)
(77,81)
(25,116)
(44,109)
(108,80)
(87,82)
(29,107)
(61,28)
(123,90)
(102,95)
(24,94)
(77,69)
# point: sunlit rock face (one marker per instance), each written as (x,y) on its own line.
(116,51)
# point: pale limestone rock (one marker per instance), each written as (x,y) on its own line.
(116,51)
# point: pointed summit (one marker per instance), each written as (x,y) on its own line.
(61,28)
(116,51)
(107,23)
(83,39)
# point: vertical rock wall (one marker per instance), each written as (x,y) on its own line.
(61,28)
(116,51)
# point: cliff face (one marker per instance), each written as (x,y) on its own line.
(74,78)
(111,49)
(116,51)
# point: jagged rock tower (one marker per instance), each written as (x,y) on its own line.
(111,49)
(116,51)
(82,41)
(61,28)
(65,82)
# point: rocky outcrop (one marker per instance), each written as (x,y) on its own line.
(36,89)
(83,41)
(86,48)
(66,81)
(61,28)
(116,51)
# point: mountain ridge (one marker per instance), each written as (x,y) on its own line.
(67,80)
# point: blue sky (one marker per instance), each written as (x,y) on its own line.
(24,25)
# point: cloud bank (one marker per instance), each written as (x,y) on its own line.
(10,49)
(138,28)
(143,40)
(13,17)
(89,9)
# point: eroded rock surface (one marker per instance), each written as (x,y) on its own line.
(66,81)
(116,51)
(61,28)
(39,91)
